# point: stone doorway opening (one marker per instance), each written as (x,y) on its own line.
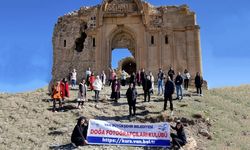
(128,64)
(123,59)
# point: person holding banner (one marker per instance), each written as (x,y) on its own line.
(178,139)
(131,95)
(79,134)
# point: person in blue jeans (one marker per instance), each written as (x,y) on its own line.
(160,82)
(178,84)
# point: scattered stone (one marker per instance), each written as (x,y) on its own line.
(244,116)
(204,132)
(196,100)
(246,133)
(183,105)
(197,116)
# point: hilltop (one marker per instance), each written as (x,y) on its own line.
(218,120)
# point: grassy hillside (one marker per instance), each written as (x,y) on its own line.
(26,120)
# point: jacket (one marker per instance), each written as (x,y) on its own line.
(79,134)
(180,134)
(131,95)
(198,81)
(147,85)
(178,80)
(169,88)
(97,85)
(56,92)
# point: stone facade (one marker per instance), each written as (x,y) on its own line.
(156,36)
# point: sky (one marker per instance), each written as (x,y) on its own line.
(26,40)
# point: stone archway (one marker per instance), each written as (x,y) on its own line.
(124,38)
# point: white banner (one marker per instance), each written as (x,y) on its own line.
(133,134)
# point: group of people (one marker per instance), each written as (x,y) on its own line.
(60,90)
(166,83)
(79,134)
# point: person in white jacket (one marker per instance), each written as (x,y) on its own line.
(187,77)
(103,78)
(97,87)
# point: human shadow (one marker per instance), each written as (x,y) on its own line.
(55,133)
(65,108)
(69,146)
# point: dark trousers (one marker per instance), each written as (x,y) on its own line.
(54,104)
(110,81)
(186,82)
(123,82)
(80,103)
(146,94)
(199,90)
(97,95)
(130,109)
(176,141)
(170,99)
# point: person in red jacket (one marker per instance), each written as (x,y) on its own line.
(64,89)
(56,95)
(91,81)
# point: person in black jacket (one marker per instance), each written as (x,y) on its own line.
(143,77)
(171,73)
(115,87)
(147,88)
(178,83)
(131,95)
(178,139)
(169,91)
(132,78)
(79,134)
(198,83)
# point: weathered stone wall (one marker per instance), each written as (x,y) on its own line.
(157,36)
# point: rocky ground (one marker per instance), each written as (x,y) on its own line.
(219,120)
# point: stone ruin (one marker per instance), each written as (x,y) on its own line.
(157,37)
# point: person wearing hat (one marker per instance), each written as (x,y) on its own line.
(178,139)
(79,134)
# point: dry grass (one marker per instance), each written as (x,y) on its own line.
(26,121)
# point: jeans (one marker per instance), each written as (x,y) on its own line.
(160,86)
(179,91)
(73,82)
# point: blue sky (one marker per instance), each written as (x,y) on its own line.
(26,47)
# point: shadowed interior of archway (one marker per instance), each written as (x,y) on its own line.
(123,59)
(128,64)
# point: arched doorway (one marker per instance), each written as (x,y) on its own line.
(123,38)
